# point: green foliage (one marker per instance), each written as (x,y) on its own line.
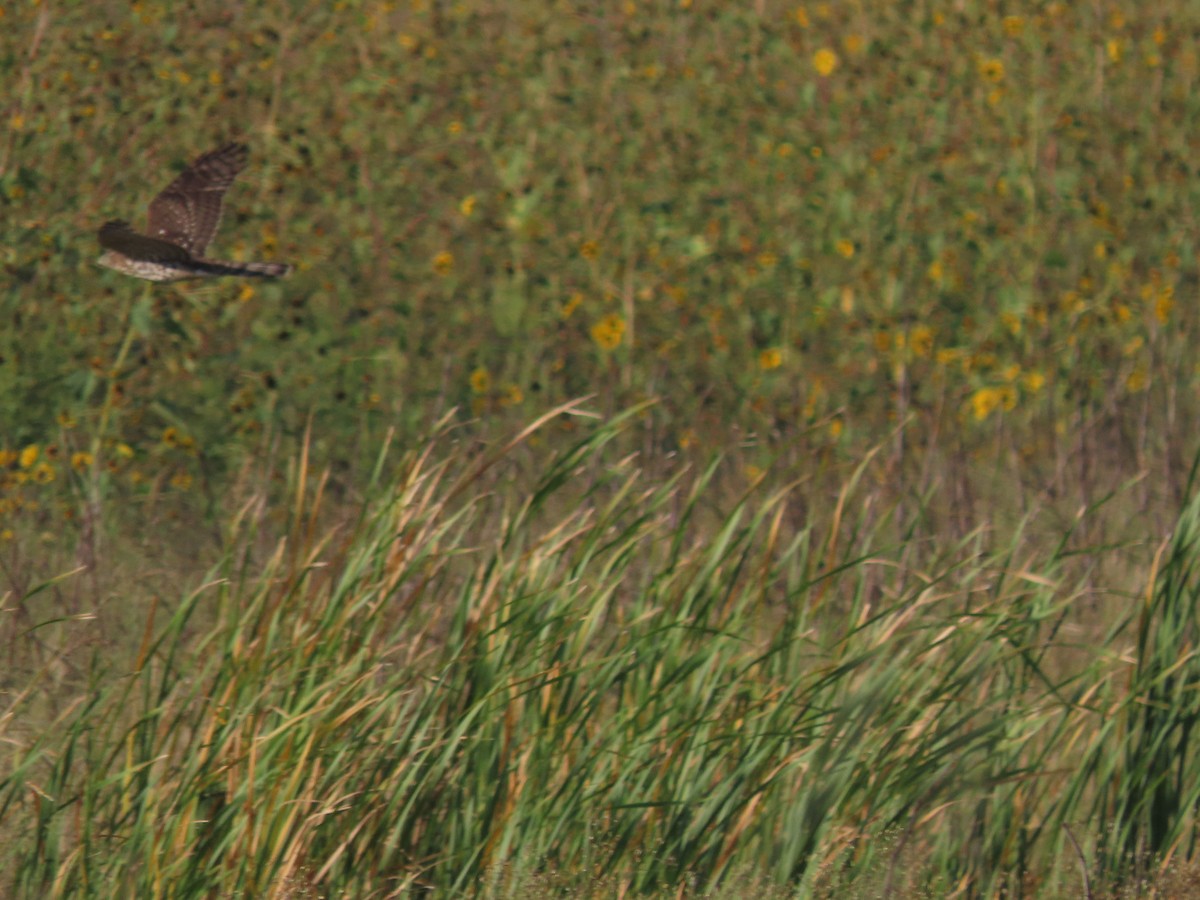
(597,686)
(807,217)
(612,689)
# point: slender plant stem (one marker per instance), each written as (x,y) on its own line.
(110,392)
(112,377)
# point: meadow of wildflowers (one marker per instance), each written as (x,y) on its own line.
(881,312)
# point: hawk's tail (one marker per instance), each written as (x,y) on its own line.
(254,269)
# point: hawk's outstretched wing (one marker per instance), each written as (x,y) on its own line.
(188,212)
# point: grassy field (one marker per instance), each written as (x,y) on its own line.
(705,449)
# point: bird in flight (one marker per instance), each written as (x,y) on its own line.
(181,224)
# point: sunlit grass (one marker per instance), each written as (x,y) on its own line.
(602,684)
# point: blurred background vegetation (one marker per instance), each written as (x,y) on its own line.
(934,258)
(795,228)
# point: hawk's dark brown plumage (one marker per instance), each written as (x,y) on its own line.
(182,222)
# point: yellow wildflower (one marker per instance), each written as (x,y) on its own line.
(467,205)
(844,248)
(771,358)
(1008,397)
(984,402)
(81,460)
(29,456)
(921,341)
(481,381)
(1164,304)
(443,263)
(513,395)
(609,331)
(825,61)
(589,250)
(1013,26)
(571,305)
(992,70)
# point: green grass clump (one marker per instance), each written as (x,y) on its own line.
(596,686)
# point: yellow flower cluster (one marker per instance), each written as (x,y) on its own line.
(480,381)
(987,400)
(609,331)
(825,61)
(771,358)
